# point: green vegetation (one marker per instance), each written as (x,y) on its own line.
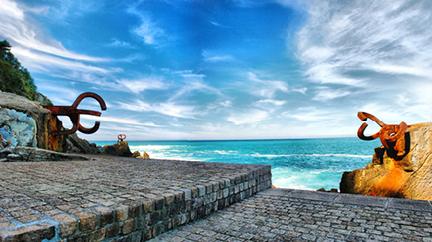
(14,77)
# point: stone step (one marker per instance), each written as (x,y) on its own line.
(296,215)
(117,199)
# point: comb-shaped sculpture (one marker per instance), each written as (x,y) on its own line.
(392,136)
(74,114)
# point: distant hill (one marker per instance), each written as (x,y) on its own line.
(15,78)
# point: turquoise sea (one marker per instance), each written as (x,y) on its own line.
(296,163)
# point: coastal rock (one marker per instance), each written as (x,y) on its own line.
(136,154)
(330,190)
(409,176)
(145,156)
(75,144)
(27,123)
(121,148)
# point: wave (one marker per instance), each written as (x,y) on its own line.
(152,147)
(271,156)
(225,152)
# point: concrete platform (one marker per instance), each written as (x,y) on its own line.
(295,215)
(116,199)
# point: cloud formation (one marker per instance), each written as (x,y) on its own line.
(376,50)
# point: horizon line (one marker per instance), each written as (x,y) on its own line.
(215,140)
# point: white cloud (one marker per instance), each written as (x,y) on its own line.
(194,86)
(325,94)
(140,85)
(310,114)
(149,31)
(213,58)
(192,82)
(355,44)
(272,101)
(11,10)
(301,90)
(15,26)
(250,117)
(226,104)
(60,95)
(39,52)
(43,62)
(165,108)
(120,43)
(266,88)
(109,119)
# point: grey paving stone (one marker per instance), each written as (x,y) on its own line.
(113,198)
(313,195)
(290,215)
(418,205)
(361,200)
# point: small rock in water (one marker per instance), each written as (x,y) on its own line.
(145,156)
(324,190)
(136,154)
(119,149)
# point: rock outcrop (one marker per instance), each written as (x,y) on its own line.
(409,176)
(144,156)
(27,123)
(75,144)
(121,148)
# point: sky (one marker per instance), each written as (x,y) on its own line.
(228,69)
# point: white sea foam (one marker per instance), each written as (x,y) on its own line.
(285,177)
(271,156)
(151,147)
(168,152)
(225,152)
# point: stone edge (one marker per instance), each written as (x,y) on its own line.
(148,218)
(355,199)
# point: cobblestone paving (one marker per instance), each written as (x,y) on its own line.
(294,215)
(116,198)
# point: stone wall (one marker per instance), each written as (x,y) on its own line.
(95,200)
(151,218)
(387,175)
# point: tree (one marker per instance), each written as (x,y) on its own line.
(14,77)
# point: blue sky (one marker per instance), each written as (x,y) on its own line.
(234,69)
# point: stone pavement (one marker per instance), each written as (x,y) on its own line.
(295,215)
(116,199)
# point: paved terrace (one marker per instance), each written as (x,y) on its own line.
(295,215)
(116,199)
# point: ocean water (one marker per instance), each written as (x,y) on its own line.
(296,163)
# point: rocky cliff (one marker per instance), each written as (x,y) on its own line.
(409,176)
(25,123)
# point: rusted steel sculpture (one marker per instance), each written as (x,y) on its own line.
(392,136)
(74,114)
(121,137)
